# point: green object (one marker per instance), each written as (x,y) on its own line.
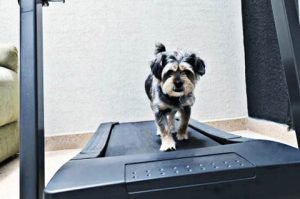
(9,140)
(9,57)
(9,102)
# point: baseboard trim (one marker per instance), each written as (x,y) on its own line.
(67,141)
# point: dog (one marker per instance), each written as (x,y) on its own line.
(170,87)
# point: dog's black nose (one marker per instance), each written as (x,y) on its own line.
(178,84)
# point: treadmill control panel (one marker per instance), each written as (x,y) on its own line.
(188,171)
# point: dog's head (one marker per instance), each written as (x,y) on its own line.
(176,71)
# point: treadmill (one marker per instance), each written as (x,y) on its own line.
(123,161)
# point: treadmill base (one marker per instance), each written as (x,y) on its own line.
(124,161)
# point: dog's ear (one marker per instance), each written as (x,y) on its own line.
(159,47)
(197,63)
(157,65)
(199,66)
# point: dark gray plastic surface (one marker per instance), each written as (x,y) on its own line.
(216,134)
(258,169)
(165,174)
(97,144)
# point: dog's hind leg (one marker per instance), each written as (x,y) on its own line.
(167,141)
(182,133)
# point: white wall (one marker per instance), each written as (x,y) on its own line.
(97,57)
(9,22)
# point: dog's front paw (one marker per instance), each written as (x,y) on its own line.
(167,144)
(182,136)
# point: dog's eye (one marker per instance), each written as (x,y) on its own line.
(188,73)
(185,72)
(169,73)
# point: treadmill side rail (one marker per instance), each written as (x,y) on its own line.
(97,144)
(216,134)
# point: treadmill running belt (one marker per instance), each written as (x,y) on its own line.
(140,137)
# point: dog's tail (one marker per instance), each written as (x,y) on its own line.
(159,47)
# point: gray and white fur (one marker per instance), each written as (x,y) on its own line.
(169,88)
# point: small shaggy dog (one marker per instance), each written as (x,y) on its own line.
(170,89)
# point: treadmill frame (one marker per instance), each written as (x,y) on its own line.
(31,86)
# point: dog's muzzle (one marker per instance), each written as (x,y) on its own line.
(178,86)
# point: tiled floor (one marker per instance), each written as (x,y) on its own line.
(9,173)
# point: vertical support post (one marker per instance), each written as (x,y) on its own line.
(288,33)
(31,102)
(298,3)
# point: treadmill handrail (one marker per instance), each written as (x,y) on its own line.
(288,34)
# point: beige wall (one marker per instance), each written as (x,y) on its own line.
(97,56)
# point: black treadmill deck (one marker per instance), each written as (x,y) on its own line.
(140,137)
(124,161)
